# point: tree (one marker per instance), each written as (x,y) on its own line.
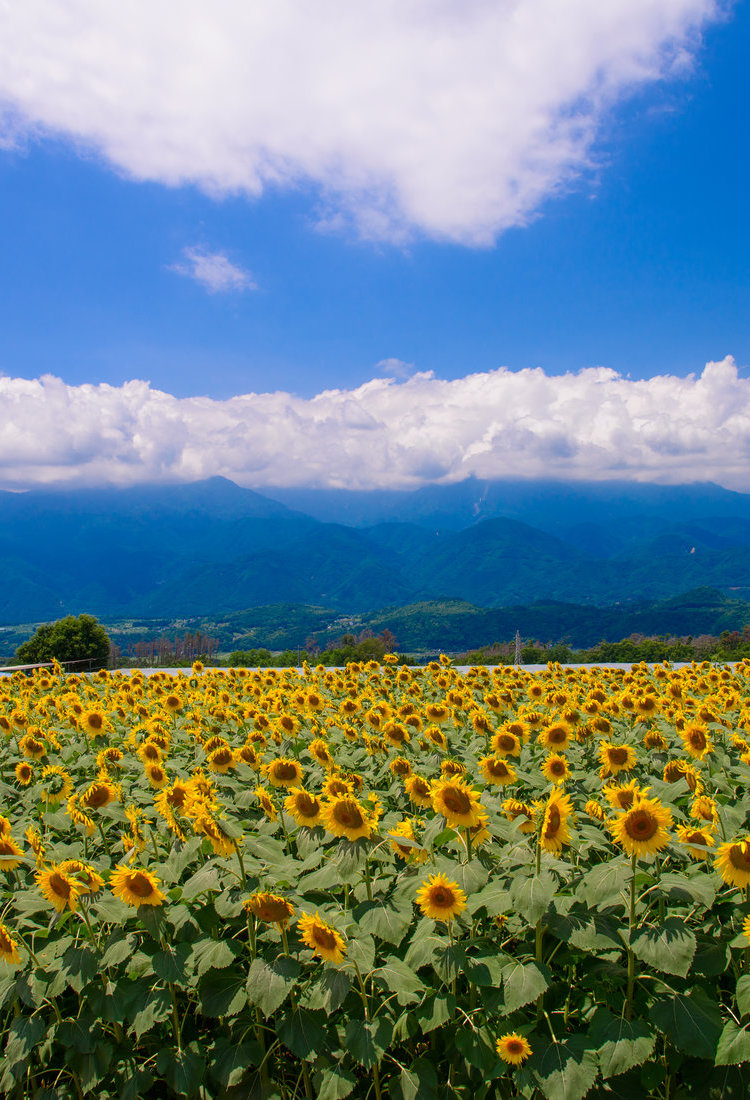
(68,639)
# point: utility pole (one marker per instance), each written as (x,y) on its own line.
(517,660)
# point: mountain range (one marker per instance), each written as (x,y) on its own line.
(212,548)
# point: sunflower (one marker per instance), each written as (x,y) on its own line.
(98,794)
(283,772)
(347,817)
(594,810)
(698,841)
(683,769)
(221,760)
(746,928)
(622,796)
(436,736)
(555,830)
(9,851)
(266,803)
(304,807)
(642,830)
(419,791)
(32,747)
(136,886)
(400,766)
(156,775)
(704,808)
(654,741)
(322,938)
(506,743)
(8,947)
(513,1048)
(336,786)
(409,852)
(441,899)
(556,736)
(496,771)
(733,862)
(93,722)
(616,758)
(59,888)
(515,810)
(209,825)
(396,734)
(78,814)
(438,714)
(457,802)
(555,768)
(173,703)
(696,740)
(24,773)
(86,877)
(149,753)
(270,908)
(58,785)
(318,749)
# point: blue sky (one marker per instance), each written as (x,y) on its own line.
(629,254)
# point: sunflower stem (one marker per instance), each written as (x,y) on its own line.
(368,883)
(631,927)
(467,840)
(242,865)
(366,1006)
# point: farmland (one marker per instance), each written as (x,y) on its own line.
(376,881)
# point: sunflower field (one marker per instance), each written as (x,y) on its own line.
(376,882)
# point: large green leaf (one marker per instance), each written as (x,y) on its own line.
(335,1084)
(564,1070)
(171,963)
(688,889)
(156,1008)
(269,984)
(303,1032)
(419,1080)
(183,1070)
(400,979)
(368,1040)
(607,884)
(522,983)
(435,1010)
(743,994)
(531,896)
(230,1061)
(692,1020)
(668,947)
(384,920)
(621,1044)
(328,990)
(734,1045)
(212,955)
(222,992)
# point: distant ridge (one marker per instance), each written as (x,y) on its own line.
(210,548)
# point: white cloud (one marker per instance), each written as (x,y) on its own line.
(593,424)
(213,270)
(398,368)
(450,118)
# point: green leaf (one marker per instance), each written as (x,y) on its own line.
(606,884)
(419,1080)
(669,947)
(384,920)
(170,964)
(522,983)
(335,1084)
(79,966)
(478,1049)
(435,1010)
(303,1032)
(179,859)
(368,1040)
(691,1020)
(362,951)
(494,898)
(78,1035)
(205,878)
(212,955)
(588,932)
(230,1061)
(157,1007)
(119,948)
(426,944)
(230,903)
(400,979)
(681,888)
(269,984)
(183,1069)
(222,992)
(743,994)
(25,1033)
(111,910)
(328,991)
(531,896)
(485,969)
(565,1070)
(622,1043)
(734,1045)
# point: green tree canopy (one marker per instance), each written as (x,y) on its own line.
(68,639)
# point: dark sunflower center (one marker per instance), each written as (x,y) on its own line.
(618,756)
(307,806)
(641,825)
(222,756)
(739,856)
(421,787)
(324,938)
(557,767)
(506,743)
(497,768)
(139,885)
(457,801)
(59,886)
(97,797)
(625,799)
(348,814)
(697,739)
(151,752)
(285,770)
(557,736)
(95,721)
(553,822)
(441,897)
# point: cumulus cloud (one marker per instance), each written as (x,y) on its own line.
(450,118)
(593,424)
(213,270)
